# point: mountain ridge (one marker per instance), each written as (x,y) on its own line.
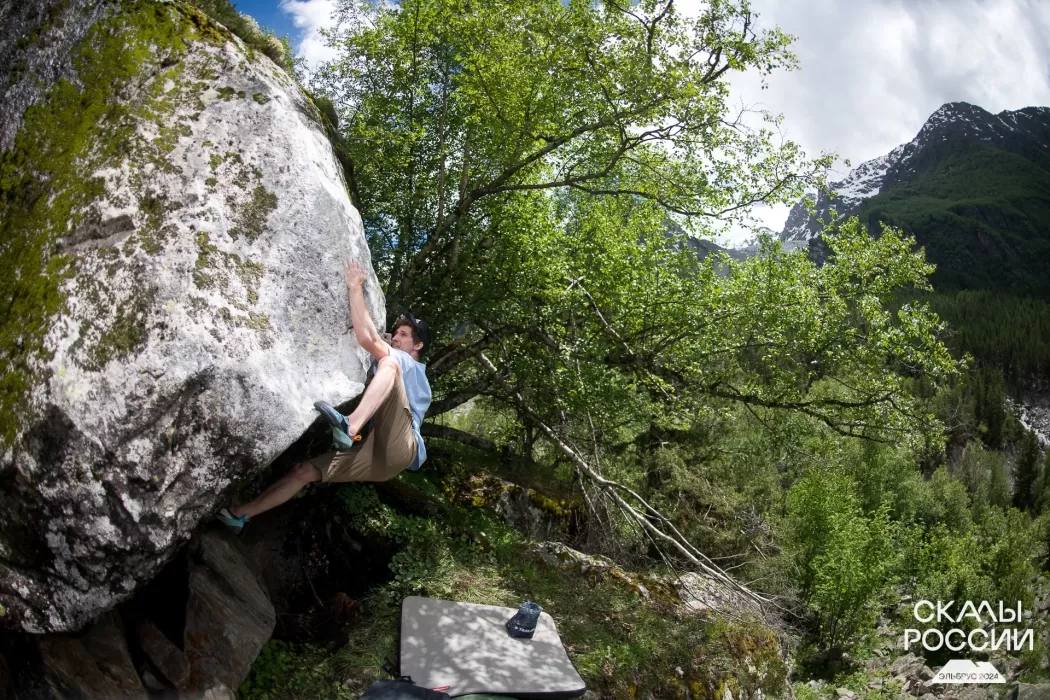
(973,188)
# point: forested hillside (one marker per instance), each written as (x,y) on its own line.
(973,188)
(982,213)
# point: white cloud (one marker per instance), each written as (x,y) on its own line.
(872,72)
(311,16)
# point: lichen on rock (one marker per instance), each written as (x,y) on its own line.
(170,258)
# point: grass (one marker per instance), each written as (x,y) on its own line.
(622,644)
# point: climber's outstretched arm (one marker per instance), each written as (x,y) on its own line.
(367,335)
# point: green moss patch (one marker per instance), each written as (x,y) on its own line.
(46,181)
(203,272)
(214,267)
(152,231)
(227,93)
(47,184)
(260,322)
(213,271)
(251,218)
(123,336)
(249,201)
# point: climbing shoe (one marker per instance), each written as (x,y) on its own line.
(341,439)
(236,523)
(343,442)
(337,419)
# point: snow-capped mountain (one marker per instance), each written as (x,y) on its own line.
(954,125)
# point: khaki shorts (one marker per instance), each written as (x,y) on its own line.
(384,453)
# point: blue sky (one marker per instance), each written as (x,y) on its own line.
(269,14)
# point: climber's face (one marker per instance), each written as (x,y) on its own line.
(402,340)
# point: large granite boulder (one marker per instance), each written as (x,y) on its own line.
(173,222)
(217,618)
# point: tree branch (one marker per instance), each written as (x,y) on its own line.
(457,398)
(667,532)
(464,438)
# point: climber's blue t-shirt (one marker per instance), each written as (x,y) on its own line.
(417,387)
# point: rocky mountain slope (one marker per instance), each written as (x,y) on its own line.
(972,187)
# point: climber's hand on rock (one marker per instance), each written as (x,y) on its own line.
(355,274)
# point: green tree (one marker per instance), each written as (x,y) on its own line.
(990,392)
(853,575)
(453,109)
(998,486)
(975,472)
(530,174)
(814,502)
(1043,504)
(845,558)
(520,168)
(1026,472)
(947,566)
(1010,549)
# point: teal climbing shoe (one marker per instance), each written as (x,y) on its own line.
(335,418)
(236,523)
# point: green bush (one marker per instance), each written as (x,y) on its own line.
(853,576)
(944,501)
(946,566)
(1011,548)
(879,473)
(846,559)
(994,560)
(814,503)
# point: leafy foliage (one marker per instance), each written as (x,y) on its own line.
(455,112)
(845,557)
(520,170)
(852,576)
(529,175)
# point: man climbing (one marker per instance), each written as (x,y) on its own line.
(396,401)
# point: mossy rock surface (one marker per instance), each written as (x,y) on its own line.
(174,221)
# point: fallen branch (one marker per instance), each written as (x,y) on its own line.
(638,508)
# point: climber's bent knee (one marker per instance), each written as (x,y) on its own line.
(305,473)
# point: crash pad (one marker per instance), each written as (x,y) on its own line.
(466,647)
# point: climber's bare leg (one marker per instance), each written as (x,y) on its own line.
(378,389)
(280,491)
